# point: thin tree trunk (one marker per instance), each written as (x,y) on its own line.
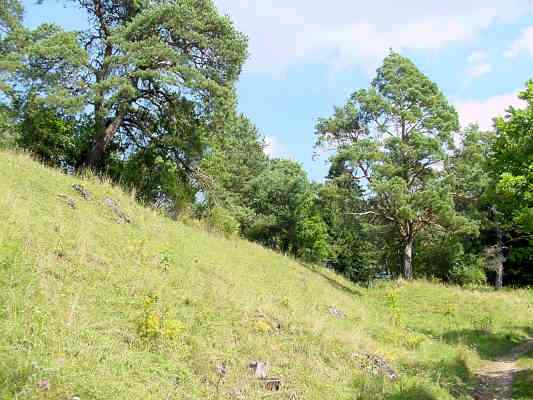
(500,258)
(499,275)
(408,260)
(102,141)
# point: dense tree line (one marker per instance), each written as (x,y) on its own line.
(146,96)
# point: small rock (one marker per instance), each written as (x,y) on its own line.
(222,369)
(272,384)
(259,369)
(121,215)
(43,384)
(336,312)
(82,191)
(70,202)
(375,365)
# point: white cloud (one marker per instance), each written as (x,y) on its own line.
(344,33)
(478,70)
(273,148)
(477,57)
(483,112)
(523,43)
(478,65)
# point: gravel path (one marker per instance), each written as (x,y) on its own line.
(495,380)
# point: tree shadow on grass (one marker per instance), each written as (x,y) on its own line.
(523,385)
(333,282)
(452,375)
(413,393)
(489,346)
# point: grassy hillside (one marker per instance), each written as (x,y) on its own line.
(154,309)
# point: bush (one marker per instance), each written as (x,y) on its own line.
(313,239)
(155,324)
(222,221)
(49,135)
(469,270)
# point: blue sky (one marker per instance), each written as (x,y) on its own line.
(307,56)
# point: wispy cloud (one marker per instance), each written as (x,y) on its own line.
(478,64)
(524,43)
(482,112)
(344,33)
(478,70)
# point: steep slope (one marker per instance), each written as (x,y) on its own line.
(93,307)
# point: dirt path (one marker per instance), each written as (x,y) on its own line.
(496,379)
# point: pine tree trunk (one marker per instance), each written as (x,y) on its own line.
(103,139)
(408,260)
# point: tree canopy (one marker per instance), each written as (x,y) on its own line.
(393,138)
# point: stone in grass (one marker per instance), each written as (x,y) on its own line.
(375,365)
(43,384)
(222,369)
(259,369)
(272,384)
(121,215)
(82,191)
(70,202)
(336,312)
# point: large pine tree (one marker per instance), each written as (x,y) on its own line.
(393,139)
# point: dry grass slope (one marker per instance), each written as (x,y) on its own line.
(75,285)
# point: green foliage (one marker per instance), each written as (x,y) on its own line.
(154,322)
(392,139)
(140,92)
(155,179)
(484,323)
(222,221)
(312,239)
(235,156)
(352,242)
(50,136)
(276,196)
(514,163)
(146,92)
(523,385)
(512,169)
(469,270)
(10,15)
(393,302)
(8,132)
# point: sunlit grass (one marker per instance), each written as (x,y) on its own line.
(526,361)
(74,284)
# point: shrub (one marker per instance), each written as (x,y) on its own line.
(49,135)
(313,239)
(222,221)
(262,327)
(154,323)
(483,323)
(469,270)
(393,301)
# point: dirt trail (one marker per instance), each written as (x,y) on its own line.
(496,378)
